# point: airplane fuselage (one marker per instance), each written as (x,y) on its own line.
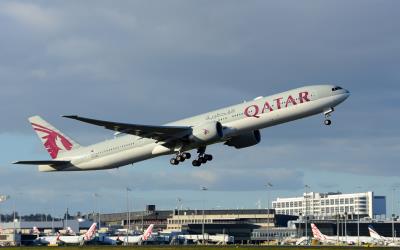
(259,113)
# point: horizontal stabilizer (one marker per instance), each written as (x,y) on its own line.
(160,133)
(51,163)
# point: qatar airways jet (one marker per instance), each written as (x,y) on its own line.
(237,126)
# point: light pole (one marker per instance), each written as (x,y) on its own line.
(268,186)
(345,225)
(178,204)
(300,215)
(306,212)
(96,196)
(358,218)
(128,213)
(337,225)
(67,197)
(393,214)
(203,220)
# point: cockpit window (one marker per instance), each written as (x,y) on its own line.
(336,88)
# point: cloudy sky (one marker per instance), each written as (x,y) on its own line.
(152,62)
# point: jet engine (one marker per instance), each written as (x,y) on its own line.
(207,132)
(245,140)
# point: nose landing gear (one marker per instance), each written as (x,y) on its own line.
(327,114)
(327,122)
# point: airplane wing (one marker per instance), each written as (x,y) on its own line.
(159,133)
(51,163)
(58,165)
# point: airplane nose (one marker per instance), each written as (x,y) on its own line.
(346,93)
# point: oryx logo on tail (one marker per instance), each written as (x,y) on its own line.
(53,141)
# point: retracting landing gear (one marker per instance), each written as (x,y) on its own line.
(327,114)
(202,157)
(180,157)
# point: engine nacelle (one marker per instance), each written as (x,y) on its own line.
(245,140)
(207,132)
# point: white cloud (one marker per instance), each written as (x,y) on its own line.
(31,15)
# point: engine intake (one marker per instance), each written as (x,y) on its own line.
(245,140)
(207,132)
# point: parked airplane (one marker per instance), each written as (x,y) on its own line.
(351,240)
(68,239)
(80,239)
(127,239)
(134,239)
(47,240)
(389,241)
(237,126)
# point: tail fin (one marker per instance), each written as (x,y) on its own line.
(373,233)
(148,232)
(316,233)
(35,230)
(53,140)
(57,239)
(91,232)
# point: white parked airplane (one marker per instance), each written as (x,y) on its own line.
(236,126)
(47,240)
(68,239)
(130,239)
(351,240)
(80,239)
(389,241)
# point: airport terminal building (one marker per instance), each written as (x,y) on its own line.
(331,204)
(238,223)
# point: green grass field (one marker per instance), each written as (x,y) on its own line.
(231,247)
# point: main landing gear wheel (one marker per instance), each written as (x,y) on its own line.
(196,163)
(202,157)
(180,157)
(186,155)
(174,161)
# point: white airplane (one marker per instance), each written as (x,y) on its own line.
(134,239)
(67,239)
(351,240)
(47,240)
(80,239)
(237,126)
(389,241)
